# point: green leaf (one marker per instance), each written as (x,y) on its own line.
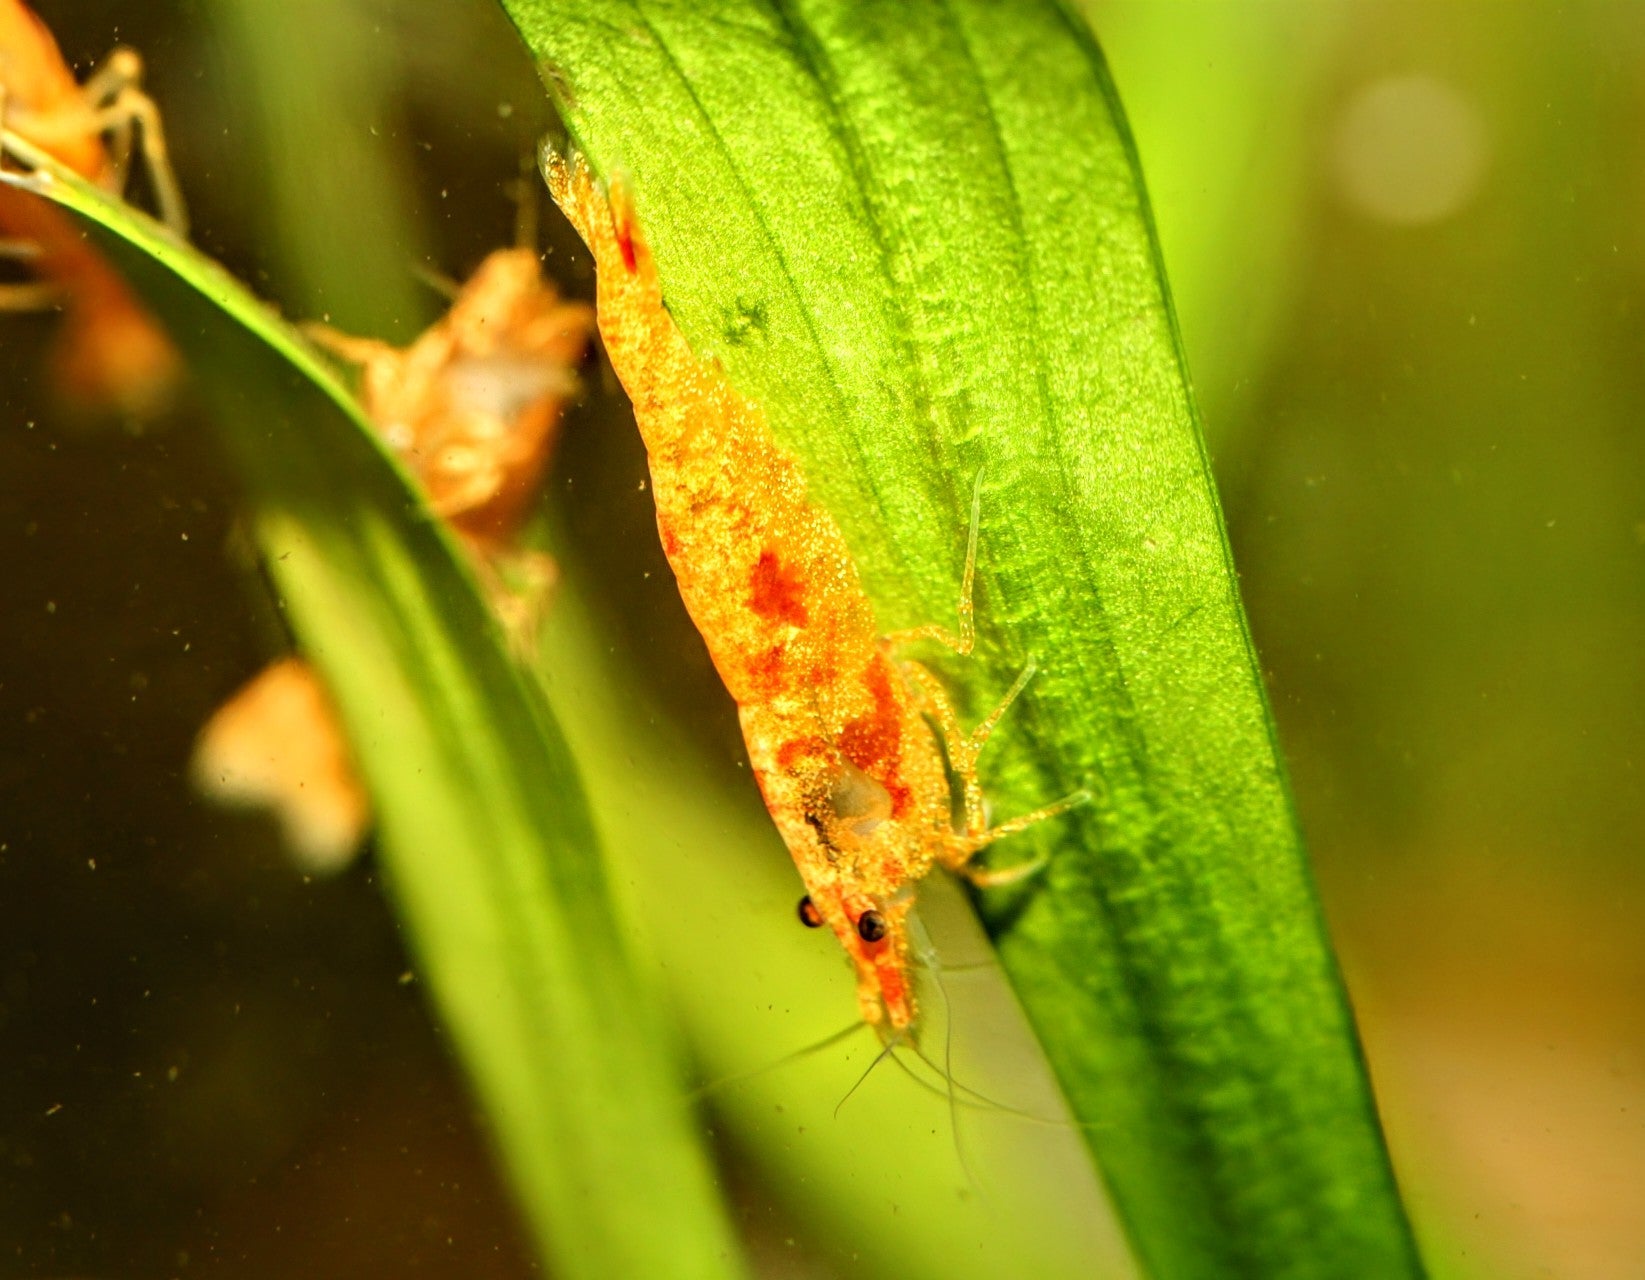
(917,235)
(485,835)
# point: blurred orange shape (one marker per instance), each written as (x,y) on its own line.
(110,353)
(276,745)
(473,407)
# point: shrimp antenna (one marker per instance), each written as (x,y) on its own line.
(974,1098)
(805,1051)
(888,1052)
(948,1019)
(926,954)
(970,1098)
(527,204)
(438,281)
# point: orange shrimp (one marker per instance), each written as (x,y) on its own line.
(276,745)
(838,727)
(110,351)
(472,406)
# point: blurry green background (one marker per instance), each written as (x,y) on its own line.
(1405,242)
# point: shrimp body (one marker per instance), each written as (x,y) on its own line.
(276,744)
(110,352)
(474,402)
(472,407)
(43,101)
(838,728)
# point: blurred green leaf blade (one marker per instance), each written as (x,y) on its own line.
(484,831)
(918,236)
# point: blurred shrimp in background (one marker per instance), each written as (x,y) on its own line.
(1407,248)
(109,354)
(472,408)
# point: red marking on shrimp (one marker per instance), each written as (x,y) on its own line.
(623,222)
(874,742)
(839,732)
(893,982)
(797,749)
(766,671)
(775,592)
(875,739)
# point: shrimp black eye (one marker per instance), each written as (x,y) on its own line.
(871,926)
(810,917)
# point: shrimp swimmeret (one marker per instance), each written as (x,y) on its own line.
(838,727)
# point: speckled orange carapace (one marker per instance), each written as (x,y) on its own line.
(839,729)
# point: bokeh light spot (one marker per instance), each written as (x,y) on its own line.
(1409,150)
